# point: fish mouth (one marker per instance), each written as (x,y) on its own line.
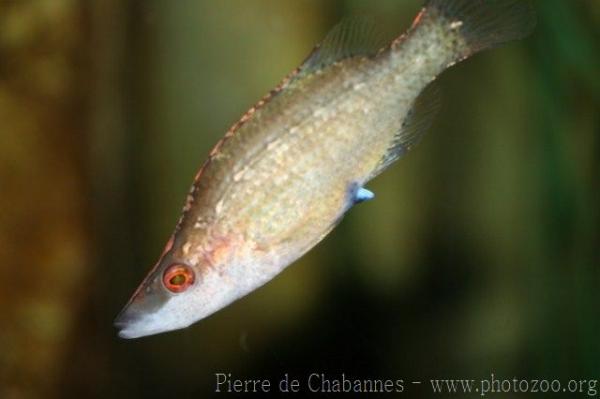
(135,324)
(126,322)
(140,317)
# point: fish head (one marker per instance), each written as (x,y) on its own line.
(177,292)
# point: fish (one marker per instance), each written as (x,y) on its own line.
(285,174)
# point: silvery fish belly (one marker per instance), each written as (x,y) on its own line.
(286,173)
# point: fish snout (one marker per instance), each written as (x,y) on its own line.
(136,318)
(125,320)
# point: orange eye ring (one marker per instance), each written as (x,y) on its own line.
(178,277)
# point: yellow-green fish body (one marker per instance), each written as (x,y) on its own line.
(285,174)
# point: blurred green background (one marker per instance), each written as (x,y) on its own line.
(479,255)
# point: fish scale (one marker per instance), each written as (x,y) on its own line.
(287,172)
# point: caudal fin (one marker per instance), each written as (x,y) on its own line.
(483,24)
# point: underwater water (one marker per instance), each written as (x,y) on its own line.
(478,258)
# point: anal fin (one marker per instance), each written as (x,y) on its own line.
(415,123)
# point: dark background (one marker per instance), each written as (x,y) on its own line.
(479,255)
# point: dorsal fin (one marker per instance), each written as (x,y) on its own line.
(416,122)
(353,36)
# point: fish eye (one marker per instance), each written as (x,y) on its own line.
(178,277)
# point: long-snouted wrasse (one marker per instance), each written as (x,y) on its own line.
(286,173)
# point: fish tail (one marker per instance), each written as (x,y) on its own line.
(470,26)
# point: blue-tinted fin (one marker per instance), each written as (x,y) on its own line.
(362,194)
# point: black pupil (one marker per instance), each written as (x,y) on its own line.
(178,279)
